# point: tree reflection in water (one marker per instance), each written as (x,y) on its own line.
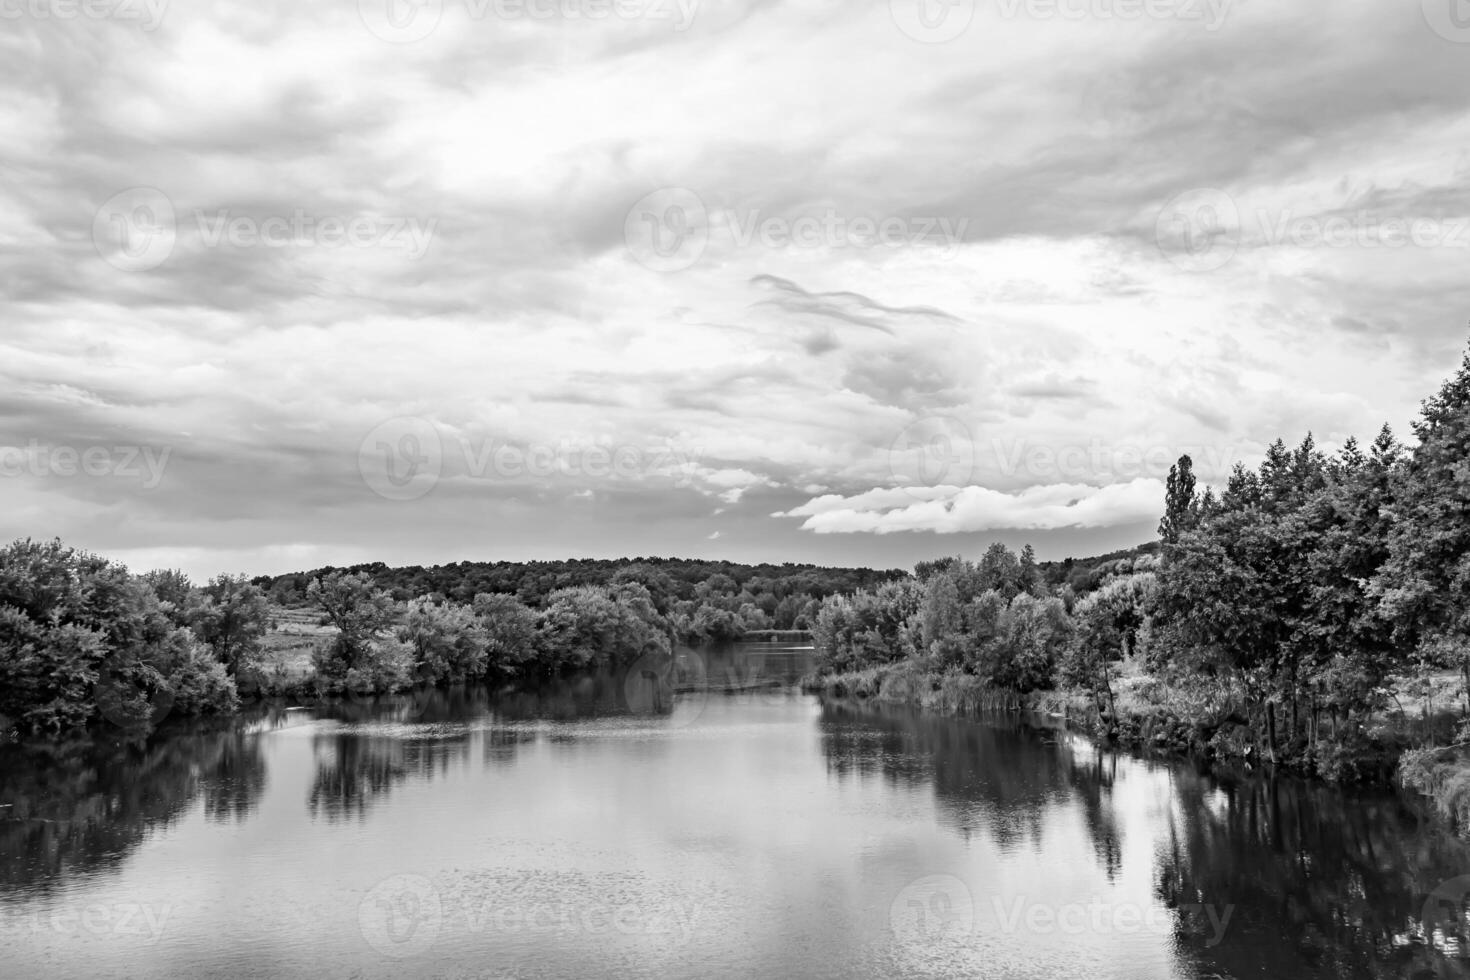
(1320,881)
(385,741)
(80,806)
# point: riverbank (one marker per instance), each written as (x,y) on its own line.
(1443,775)
(1149,716)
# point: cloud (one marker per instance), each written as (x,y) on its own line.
(846,306)
(955,510)
(783,372)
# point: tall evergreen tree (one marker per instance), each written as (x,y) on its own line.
(1181,507)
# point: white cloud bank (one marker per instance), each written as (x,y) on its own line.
(956,510)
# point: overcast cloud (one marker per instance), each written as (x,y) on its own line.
(296,283)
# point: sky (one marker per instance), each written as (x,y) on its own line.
(288,284)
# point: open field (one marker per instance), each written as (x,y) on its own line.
(287,648)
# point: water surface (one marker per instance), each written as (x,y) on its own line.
(611,825)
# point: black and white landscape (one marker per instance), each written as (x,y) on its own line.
(732,488)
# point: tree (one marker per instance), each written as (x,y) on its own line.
(941,621)
(358,608)
(448,641)
(81,640)
(999,569)
(1032,633)
(178,596)
(511,638)
(1347,647)
(1107,626)
(1226,591)
(1181,508)
(867,629)
(1425,583)
(1030,577)
(232,618)
(588,625)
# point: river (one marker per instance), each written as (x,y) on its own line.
(722,825)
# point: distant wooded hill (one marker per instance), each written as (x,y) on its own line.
(532,581)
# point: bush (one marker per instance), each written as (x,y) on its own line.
(201,686)
(381,666)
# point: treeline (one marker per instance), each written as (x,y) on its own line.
(1287,616)
(382,644)
(703,600)
(82,640)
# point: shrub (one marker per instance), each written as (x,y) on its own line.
(200,685)
(381,665)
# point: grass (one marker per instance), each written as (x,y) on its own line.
(286,650)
